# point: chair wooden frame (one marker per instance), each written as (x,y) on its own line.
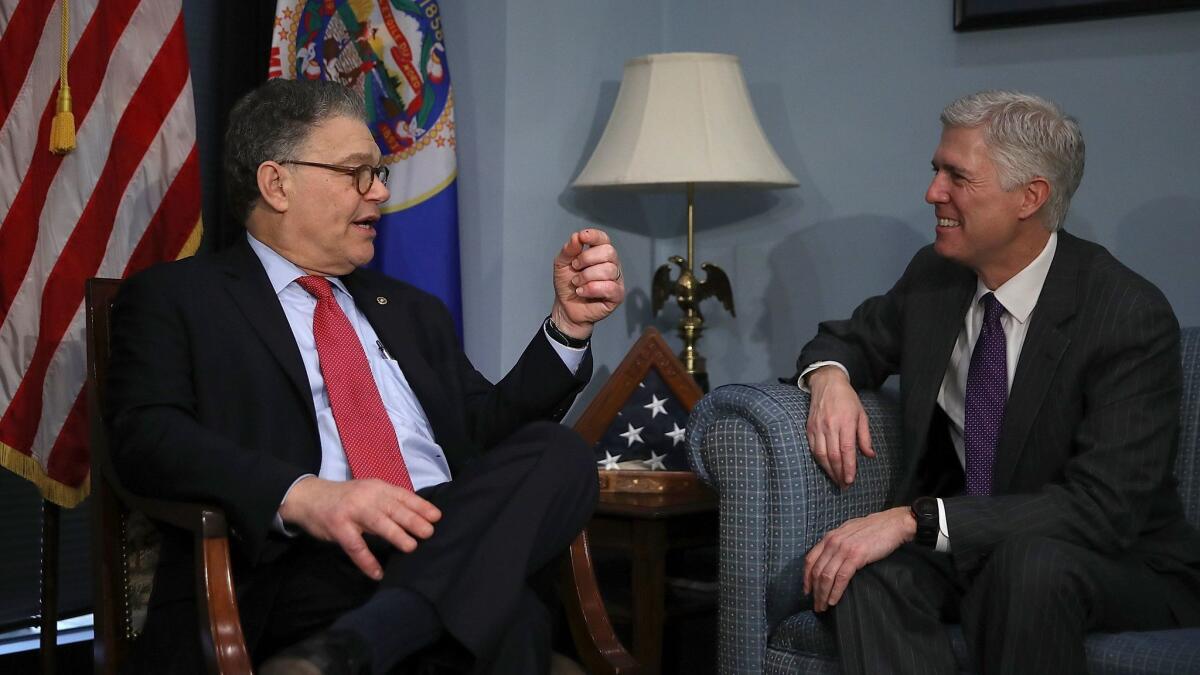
(221,639)
(595,639)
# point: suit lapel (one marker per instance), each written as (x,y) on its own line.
(397,329)
(940,313)
(1043,349)
(947,312)
(248,284)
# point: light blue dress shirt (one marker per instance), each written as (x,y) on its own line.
(424,458)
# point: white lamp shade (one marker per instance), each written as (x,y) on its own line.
(684,118)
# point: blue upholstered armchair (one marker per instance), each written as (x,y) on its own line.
(748,442)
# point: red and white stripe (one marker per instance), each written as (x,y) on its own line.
(128,196)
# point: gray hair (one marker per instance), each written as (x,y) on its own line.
(1027,136)
(271,123)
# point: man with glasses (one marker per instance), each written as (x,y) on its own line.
(381,494)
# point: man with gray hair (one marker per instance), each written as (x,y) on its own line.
(1040,384)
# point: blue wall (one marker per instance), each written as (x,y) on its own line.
(534,83)
(848,93)
(849,96)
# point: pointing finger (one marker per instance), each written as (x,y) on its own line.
(356,548)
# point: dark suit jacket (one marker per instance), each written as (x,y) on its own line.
(1089,438)
(209,401)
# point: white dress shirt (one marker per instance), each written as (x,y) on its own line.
(1019,296)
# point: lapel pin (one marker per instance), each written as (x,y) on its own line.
(381,300)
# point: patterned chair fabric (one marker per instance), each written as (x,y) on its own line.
(141,545)
(748,442)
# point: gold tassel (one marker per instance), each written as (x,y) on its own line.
(62,130)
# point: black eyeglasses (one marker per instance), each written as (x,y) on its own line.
(364,174)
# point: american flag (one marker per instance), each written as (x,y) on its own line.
(127,196)
(648,432)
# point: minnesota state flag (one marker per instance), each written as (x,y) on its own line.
(393,53)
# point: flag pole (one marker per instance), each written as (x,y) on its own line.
(62,141)
(49,618)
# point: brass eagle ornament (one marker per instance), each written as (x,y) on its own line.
(688,290)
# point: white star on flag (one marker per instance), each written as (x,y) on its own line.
(656,406)
(609,463)
(634,435)
(676,435)
(655,463)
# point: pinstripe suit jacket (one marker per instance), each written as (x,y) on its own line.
(1089,438)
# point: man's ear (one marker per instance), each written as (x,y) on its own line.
(1034,196)
(273,185)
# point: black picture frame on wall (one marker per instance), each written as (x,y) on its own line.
(984,14)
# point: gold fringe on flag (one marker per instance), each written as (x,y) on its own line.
(28,468)
(193,241)
(62,131)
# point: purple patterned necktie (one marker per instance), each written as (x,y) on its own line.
(987,392)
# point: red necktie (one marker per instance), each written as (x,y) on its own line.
(367,434)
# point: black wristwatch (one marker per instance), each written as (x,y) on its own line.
(562,338)
(925,510)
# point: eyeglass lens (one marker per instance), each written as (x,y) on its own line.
(365,175)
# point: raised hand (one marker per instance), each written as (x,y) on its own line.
(588,282)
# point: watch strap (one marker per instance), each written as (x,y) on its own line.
(562,338)
(925,511)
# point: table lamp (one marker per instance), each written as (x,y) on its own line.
(682,120)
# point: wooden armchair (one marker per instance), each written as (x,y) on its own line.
(124,543)
(124,551)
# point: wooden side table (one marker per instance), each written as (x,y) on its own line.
(647,526)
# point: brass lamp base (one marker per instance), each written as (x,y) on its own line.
(689,292)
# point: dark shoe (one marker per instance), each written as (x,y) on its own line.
(330,652)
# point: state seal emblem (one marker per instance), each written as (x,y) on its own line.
(391,51)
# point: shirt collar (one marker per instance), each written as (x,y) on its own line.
(1019,295)
(280,270)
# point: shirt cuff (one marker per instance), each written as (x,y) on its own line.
(943,542)
(819,364)
(279,525)
(571,356)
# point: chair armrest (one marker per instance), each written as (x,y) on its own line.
(597,644)
(748,442)
(221,638)
(202,520)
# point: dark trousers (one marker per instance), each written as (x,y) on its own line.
(1027,610)
(505,518)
